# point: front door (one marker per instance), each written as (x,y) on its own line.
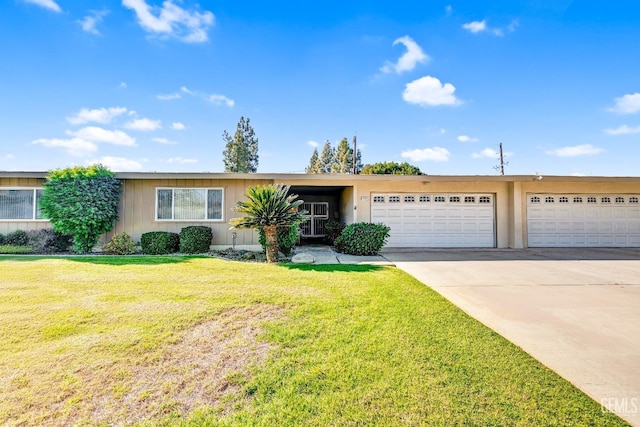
(318,214)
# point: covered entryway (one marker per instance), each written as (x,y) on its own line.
(583,220)
(436,220)
(318,215)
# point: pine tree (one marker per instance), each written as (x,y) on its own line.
(314,163)
(343,158)
(326,158)
(241,151)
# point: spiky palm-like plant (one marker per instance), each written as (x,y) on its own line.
(269,207)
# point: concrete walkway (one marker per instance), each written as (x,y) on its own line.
(323,254)
(576,311)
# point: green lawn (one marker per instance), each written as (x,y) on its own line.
(201,341)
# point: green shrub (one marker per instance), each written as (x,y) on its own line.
(195,239)
(15,250)
(1,239)
(82,201)
(49,241)
(17,238)
(287,238)
(159,242)
(120,244)
(332,229)
(362,238)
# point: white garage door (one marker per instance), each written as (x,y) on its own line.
(435,220)
(583,220)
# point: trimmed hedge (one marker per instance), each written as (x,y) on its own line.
(159,242)
(287,238)
(332,229)
(362,238)
(195,239)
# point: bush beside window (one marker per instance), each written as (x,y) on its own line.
(159,243)
(17,238)
(362,238)
(48,241)
(195,239)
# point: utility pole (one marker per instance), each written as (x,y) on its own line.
(355,157)
(500,167)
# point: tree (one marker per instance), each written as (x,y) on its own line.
(314,163)
(241,151)
(268,207)
(391,168)
(339,160)
(82,201)
(343,158)
(326,158)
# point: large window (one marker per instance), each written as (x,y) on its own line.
(20,204)
(189,204)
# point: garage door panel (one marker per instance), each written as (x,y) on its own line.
(436,220)
(557,220)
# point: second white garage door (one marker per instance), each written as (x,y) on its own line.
(435,220)
(583,220)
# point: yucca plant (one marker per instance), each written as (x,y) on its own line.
(269,207)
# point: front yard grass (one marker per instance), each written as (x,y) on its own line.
(202,341)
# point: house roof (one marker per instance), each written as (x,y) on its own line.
(340,177)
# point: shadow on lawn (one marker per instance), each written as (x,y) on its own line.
(349,268)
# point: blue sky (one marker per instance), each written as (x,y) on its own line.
(150,85)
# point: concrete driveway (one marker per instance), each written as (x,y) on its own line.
(575,310)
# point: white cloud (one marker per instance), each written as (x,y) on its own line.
(623,130)
(117,164)
(578,174)
(89,22)
(409,60)
(100,115)
(48,4)
(7,157)
(168,97)
(74,146)
(171,20)
(486,153)
(221,99)
(163,141)
(123,85)
(465,138)
(143,124)
(435,154)
(313,144)
(475,26)
(576,150)
(98,134)
(448,10)
(178,126)
(181,160)
(429,91)
(186,90)
(627,104)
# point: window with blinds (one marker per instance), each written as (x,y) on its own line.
(189,204)
(20,204)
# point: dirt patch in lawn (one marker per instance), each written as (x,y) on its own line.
(210,362)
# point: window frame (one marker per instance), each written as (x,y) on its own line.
(34,209)
(173,213)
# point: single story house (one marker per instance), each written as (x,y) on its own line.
(428,211)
